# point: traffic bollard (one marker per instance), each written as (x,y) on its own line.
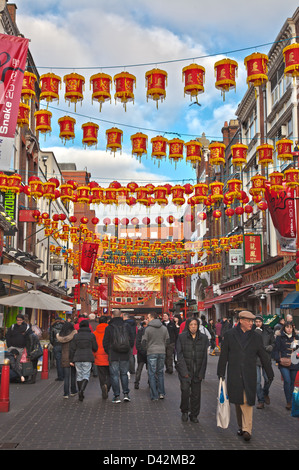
(45,369)
(4,389)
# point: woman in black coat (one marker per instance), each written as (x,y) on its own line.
(240,348)
(192,352)
(81,355)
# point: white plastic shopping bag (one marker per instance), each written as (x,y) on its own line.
(223,406)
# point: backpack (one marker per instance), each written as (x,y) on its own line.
(120,341)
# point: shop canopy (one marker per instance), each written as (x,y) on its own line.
(287,273)
(291,300)
(226,297)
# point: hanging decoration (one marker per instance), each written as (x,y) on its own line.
(234,189)
(265,154)
(217,153)
(176,148)
(139,145)
(50,84)
(74,87)
(216,191)
(239,154)
(200,192)
(90,134)
(28,86)
(159,148)
(100,84)
(258,185)
(142,195)
(23,114)
(67,128)
(292,177)
(160,195)
(124,84)
(193,151)
(276,180)
(225,72)
(156,82)
(178,192)
(114,139)
(194,75)
(291,57)
(284,149)
(49,188)
(43,121)
(14,183)
(36,187)
(256,65)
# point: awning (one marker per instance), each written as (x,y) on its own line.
(287,273)
(227,297)
(291,300)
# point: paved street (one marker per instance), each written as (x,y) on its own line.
(40,419)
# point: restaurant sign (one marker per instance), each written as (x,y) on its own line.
(253,250)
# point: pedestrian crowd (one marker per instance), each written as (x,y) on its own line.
(115,348)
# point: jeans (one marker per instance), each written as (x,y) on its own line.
(262,391)
(155,368)
(57,351)
(119,370)
(288,376)
(69,380)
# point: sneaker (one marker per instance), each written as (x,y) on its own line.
(184,417)
(115,400)
(104,391)
(65,396)
(161,396)
(126,397)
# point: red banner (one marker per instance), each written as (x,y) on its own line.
(88,257)
(13,56)
(283,214)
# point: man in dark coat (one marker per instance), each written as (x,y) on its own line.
(192,352)
(239,351)
(173,334)
(55,329)
(118,361)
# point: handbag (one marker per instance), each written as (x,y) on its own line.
(27,369)
(24,356)
(223,406)
(36,353)
(285,361)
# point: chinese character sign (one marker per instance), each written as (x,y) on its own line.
(89,254)
(253,252)
(13,55)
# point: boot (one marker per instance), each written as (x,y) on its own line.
(32,379)
(83,387)
(79,384)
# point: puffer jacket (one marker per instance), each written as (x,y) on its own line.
(100,357)
(83,345)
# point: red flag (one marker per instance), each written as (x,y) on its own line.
(89,254)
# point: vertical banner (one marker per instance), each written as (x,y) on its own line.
(253,252)
(283,214)
(13,56)
(88,257)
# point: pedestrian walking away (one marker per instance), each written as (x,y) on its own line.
(101,360)
(82,347)
(65,337)
(154,341)
(132,324)
(173,334)
(192,352)
(117,343)
(141,353)
(286,343)
(240,348)
(55,328)
(262,391)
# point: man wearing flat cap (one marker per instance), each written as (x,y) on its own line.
(240,348)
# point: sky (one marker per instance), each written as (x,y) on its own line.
(135,36)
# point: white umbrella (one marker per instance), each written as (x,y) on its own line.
(36,299)
(16,271)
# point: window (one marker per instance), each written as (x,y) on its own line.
(158,302)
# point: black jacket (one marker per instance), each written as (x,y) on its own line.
(83,345)
(55,328)
(172,331)
(192,355)
(15,335)
(141,352)
(268,338)
(108,340)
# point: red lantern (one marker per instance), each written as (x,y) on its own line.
(50,84)
(193,151)
(114,139)
(217,214)
(239,211)
(139,144)
(159,220)
(201,192)
(202,216)
(234,188)
(258,185)
(176,148)
(229,212)
(82,194)
(135,221)
(194,80)
(262,205)
(159,147)
(43,121)
(142,195)
(256,65)
(276,179)
(90,134)
(291,177)
(67,128)
(217,153)
(23,114)
(248,209)
(225,72)
(36,187)
(49,189)
(125,221)
(160,195)
(284,149)
(170,219)
(265,154)
(124,83)
(239,154)
(216,191)
(291,57)
(101,83)
(14,183)
(178,195)
(28,86)
(156,81)
(110,196)
(74,87)
(3,182)
(146,220)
